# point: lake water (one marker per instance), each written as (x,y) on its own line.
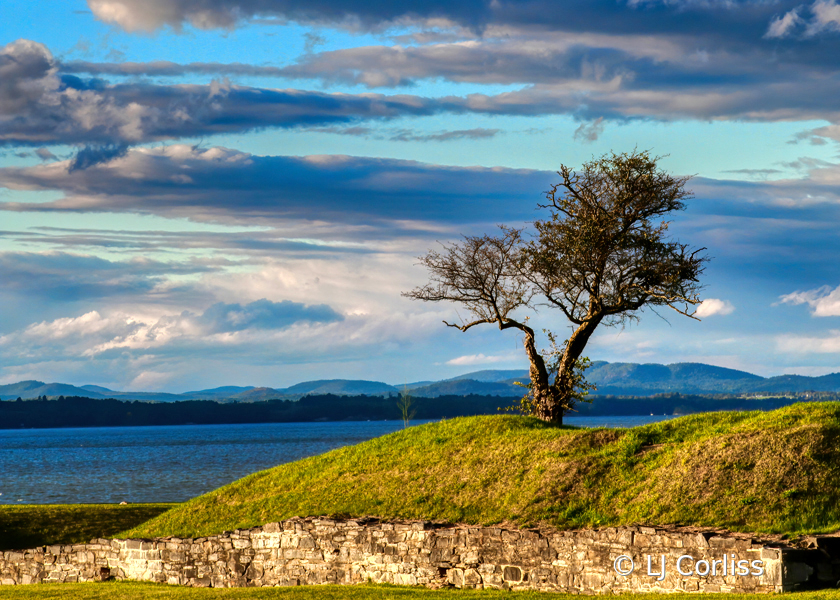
(174,463)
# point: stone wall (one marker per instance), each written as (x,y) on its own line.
(320,550)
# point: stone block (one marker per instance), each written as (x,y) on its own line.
(721,542)
(405,579)
(511,573)
(455,577)
(472,578)
(770,553)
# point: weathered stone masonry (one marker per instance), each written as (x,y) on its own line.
(320,550)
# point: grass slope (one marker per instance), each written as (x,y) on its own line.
(773,471)
(28,526)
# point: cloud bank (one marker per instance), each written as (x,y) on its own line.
(218,183)
(601,71)
(40,106)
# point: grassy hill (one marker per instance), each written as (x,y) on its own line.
(773,471)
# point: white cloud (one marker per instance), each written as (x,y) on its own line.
(824,301)
(809,344)
(713,306)
(156,345)
(782,26)
(88,324)
(150,380)
(589,132)
(826,17)
(478,359)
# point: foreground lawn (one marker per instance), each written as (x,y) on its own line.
(756,471)
(31,525)
(134,591)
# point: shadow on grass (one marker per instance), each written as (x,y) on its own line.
(35,525)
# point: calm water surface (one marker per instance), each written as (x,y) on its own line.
(174,463)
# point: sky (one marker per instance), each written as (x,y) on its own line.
(197,193)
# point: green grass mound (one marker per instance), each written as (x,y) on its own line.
(773,471)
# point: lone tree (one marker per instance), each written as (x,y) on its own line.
(601,257)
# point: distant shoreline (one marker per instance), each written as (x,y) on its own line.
(76,411)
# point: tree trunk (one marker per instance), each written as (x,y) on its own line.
(565,381)
(548,406)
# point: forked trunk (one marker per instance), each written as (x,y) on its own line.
(565,382)
(547,404)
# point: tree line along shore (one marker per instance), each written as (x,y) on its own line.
(75,411)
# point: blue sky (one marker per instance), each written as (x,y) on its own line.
(197,193)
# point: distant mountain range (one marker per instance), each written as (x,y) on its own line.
(619,379)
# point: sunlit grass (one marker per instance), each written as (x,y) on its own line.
(150,591)
(757,471)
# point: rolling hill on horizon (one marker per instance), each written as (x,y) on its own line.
(618,379)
